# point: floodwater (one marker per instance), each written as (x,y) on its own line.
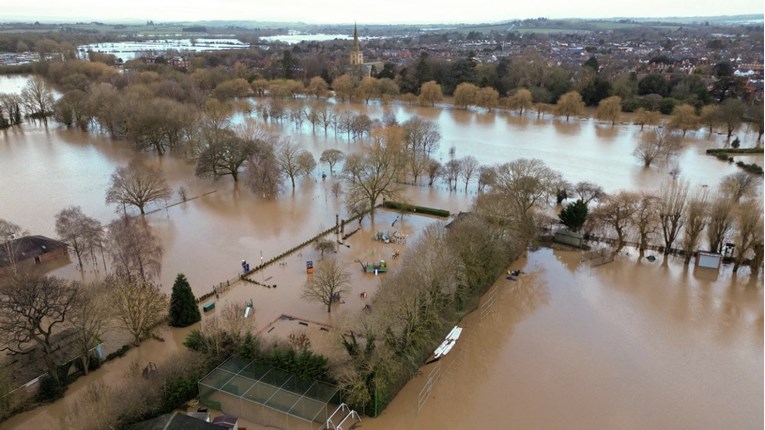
(623,345)
(134,49)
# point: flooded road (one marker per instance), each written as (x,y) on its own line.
(623,346)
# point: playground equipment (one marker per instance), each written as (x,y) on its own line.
(387,237)
(381,267)
(342,414)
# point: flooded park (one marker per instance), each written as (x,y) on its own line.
(629,344)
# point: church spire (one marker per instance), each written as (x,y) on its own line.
(357,57)
(355,38)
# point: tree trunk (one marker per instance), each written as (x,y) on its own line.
(85,362)
(77,253)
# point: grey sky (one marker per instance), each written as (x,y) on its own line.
(371,12)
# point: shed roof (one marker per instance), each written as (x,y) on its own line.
(28,247)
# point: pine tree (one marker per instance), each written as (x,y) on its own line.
(183,305)
(249,347)
(574,215)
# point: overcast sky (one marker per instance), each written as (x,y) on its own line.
(363,12)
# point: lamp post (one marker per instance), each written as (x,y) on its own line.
(262,269)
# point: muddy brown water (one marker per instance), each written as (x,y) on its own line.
(623,345)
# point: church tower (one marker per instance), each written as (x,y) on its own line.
(357,57)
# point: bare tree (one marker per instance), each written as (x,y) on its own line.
(684,118)
(137,185)
(317,87)
(521,101)
(673,197)
(32,307)
(645,220)
(328,282)
(138,306)
(486,177)
(748,219)
(332,157)
(470,166)
(325,245)
(616,212)
(645,117)
(610,109)
(81,232)
(587,191)
(306,162)
(224,157)
(422,138)
(721,208)
(741,184)
(730,113)
(287,155)
(90,317)
(434,170)
(569,104)
(37,97)
(525,183)
(451,172)
(660,143)
(430,93)
(9,235)
(375,173)
(263,172)
(696,217)
(134,249)
(709,117)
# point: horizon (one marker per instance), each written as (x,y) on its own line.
(341,12)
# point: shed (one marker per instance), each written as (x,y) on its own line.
(31,250)
(229,422)
(708,260)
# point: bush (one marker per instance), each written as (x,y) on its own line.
(93,363)
(179,390)
(118,353)
(50,389)
(751,168)
(195,341)
(736,143)
(667,105)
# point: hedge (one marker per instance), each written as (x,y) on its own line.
(422,210)
(734,151)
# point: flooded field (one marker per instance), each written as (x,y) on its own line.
(130,50)
(625,345)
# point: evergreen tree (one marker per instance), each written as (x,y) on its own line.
(183,305)
(249,347)
(574,215)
